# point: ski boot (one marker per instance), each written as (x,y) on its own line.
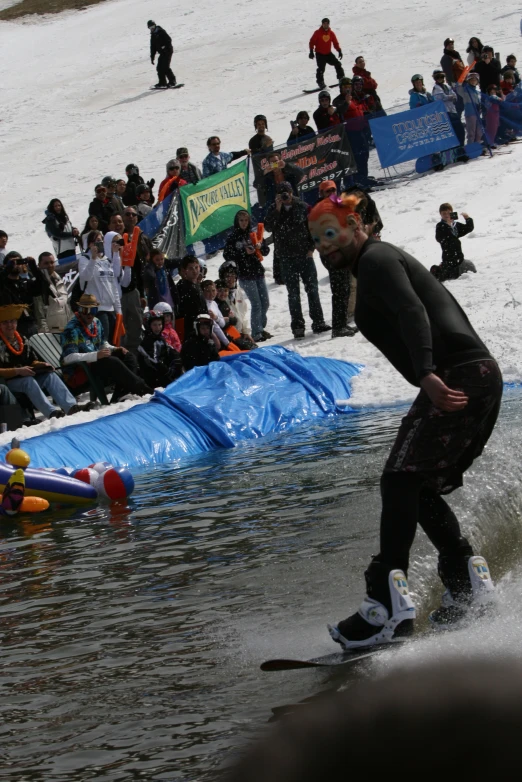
(386,614)
(469,588)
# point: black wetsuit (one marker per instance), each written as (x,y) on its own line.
(420,328)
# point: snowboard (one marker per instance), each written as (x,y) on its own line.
(326,661)
(174,87)
(318,89)
(438,160)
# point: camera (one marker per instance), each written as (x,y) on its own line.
(454,215)
(286,196)
(293,123)
(133,171)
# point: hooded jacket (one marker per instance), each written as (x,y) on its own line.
(418,99)
(249,267)
(98,278)
(323,40)
(122,273)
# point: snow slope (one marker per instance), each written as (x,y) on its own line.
(76,107)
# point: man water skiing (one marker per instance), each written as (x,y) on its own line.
(161,44)
(422,330)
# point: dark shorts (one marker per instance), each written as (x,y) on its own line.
(441,446)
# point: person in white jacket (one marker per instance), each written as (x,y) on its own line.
(51,310)
(112,244)
(98,278)
(209,291)
(443,92)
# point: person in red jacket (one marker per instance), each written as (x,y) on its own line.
(321,41)
(369,84)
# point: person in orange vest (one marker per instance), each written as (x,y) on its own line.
(322,41)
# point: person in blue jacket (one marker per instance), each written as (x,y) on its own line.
(419,96)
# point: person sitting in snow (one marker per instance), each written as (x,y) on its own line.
(83,341)
(198,349)
(159,363)
(169,333)
(24,373)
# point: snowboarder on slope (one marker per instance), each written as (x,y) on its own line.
(421,329)
(161,44)
(322,41)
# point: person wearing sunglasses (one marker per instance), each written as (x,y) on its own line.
(216,160)
(189,171)
(83,340)
(172,181)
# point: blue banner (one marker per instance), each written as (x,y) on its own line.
(412,134)
(151,224)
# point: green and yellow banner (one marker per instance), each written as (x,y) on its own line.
(210,206)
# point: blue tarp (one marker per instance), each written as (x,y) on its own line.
(238,398)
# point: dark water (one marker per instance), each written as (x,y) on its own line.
(130,640)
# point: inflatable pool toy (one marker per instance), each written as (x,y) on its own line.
(32,504)
(115,484)
(110,483)
(51,486)
(13,494)
(18,458)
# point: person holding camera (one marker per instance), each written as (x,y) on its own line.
(98,278)
(448,233)
(300,128)
(488,69)
(20,282)
(287,219)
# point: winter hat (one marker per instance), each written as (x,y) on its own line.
(258,117)
(150,23)
(416,77)
(107,181)
(448,40)
(284,187)
(345,80)
(142,189)
(357,78)
(472,75)
(324,94)
(181,151)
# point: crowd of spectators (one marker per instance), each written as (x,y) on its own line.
(191,320)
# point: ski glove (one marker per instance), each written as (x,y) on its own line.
(151,183)
(340,55)
(311,55)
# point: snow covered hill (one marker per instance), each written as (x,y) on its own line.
(76,107)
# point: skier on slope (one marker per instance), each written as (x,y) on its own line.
(161,44)
(321,41)
(421,329)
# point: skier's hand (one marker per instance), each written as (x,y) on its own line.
(103,353)
(151,183)
(250,250)
(340,55)
(75,232)
(294,131)
(465,215)
(247,152)
(331,110)
(447,399)
(311,55)
(25,372)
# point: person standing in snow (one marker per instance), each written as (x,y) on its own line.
(161,44)
(216,160)
(189,172)
(448,97)
(322,41)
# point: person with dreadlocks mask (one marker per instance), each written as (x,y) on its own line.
(422,330)
(159,363)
